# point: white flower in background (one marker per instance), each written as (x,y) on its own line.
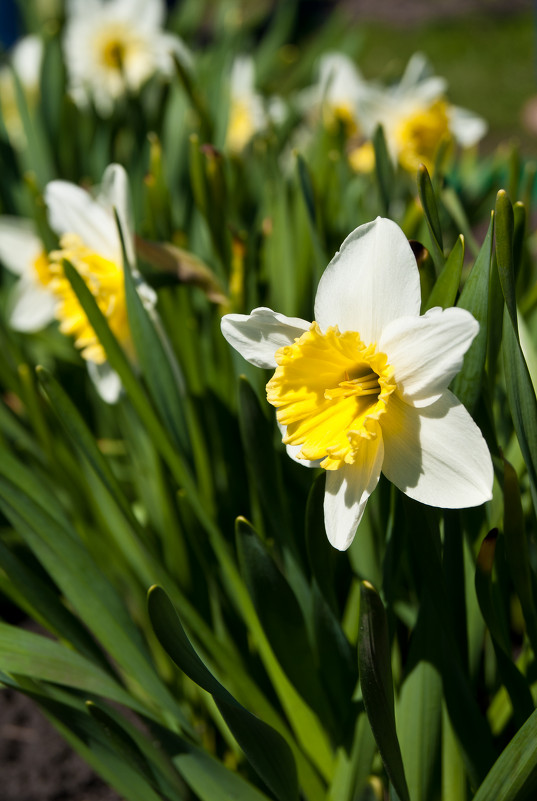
(363,389)
(90,241)
(336,95)
(416,117)
(112,47)
(26,62)
(32,303)
(249,112)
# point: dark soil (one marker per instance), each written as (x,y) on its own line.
(35,762)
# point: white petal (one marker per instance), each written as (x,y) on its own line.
(106,381)
(257,336)
(466,127)
(72,210)
(347,492)
(427,352)
(27,59)
(32,307)
(114,194)
(436,455)
(372,280)
(19,245)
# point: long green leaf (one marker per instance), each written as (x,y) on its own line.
(430,209)
(266,750)
(71,566)
(513,777)
(376,681)
(445,290)
(384,169)
(474,297)
(28,654)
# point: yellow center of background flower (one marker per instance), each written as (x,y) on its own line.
(341,114)
(241,125)
(419,135)
(114,54)
(104,279)
(329,391)
(42,269)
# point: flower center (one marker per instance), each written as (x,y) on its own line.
(329,391)
(241,125)
(340,114)
(104,279)
(420,134)
(113,53)
(42,269)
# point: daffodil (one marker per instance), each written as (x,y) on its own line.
(416,118)
(90,241)
(32,302)
(112,47)
(249,112)
(336,96)
(26,62)
(363,389)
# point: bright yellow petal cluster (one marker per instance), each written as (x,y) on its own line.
(329,391)
(104,279)
(418,136)
(241,125)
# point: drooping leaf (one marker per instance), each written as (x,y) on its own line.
(266,750)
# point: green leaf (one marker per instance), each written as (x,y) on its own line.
(281,618)
(513,777)
(515,683)
(517,550)
(28,654)
(354,768)
(157,361)
(430,209)
(94,598)
(447,284)
(505,224)
(384,170)
(263,463)
(44,605)
(265,749)
(210,780)
(86,736)
(418,725)
(374,659)
(337,663)
(475,298)
(305,180)
(322,556)
(519,387)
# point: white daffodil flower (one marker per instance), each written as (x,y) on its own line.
(113,47)
(26,62)
(32,303)
(249,112)
(363,389)
(90,241)
(416,117)
(336,96)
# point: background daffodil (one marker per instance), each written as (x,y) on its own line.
(416,116)
(32,303)
(90,241)
(363,389)
(112,48)
(249,112)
